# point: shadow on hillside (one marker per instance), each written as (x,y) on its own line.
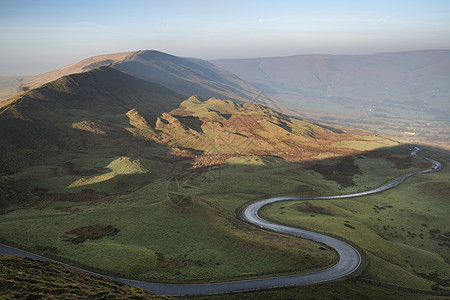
(38,142)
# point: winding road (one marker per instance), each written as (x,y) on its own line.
(350,258)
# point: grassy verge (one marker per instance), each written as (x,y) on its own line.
(349,289)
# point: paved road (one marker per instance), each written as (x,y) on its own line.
(350,259)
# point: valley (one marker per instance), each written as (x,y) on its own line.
(9,85)
(403,94)
(119,174)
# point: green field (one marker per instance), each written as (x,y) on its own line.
(427,126)
(158,239)
(176,224)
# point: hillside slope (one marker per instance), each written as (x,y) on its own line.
(186,76)
(24,278)
(77,110)
(105,107)
(214,130)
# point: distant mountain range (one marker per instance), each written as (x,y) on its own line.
(391,93)
(397,77)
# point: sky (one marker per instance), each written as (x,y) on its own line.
(37,36)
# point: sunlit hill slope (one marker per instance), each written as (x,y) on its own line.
(187,76)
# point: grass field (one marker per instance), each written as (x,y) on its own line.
(159,243)
(156,240)
(195,236)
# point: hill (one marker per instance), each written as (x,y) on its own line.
(186,76)
(75,111)
(215,130)
(404,94)
(103,106)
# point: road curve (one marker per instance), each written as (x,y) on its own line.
(350,258)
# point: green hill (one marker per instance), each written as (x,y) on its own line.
(105,107)
(187,76)
(77,111)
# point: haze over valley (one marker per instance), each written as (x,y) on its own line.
(403,94)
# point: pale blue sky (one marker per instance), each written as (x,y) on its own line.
(40,35)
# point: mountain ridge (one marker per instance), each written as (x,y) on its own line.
(183,75)
(105,105)
(242,67)
(74,112)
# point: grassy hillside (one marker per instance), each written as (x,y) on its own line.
(98,91)
(215,130)
(23,278)
(76,112)
(390,93)
(92,155)
(178,224)
(187,76)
